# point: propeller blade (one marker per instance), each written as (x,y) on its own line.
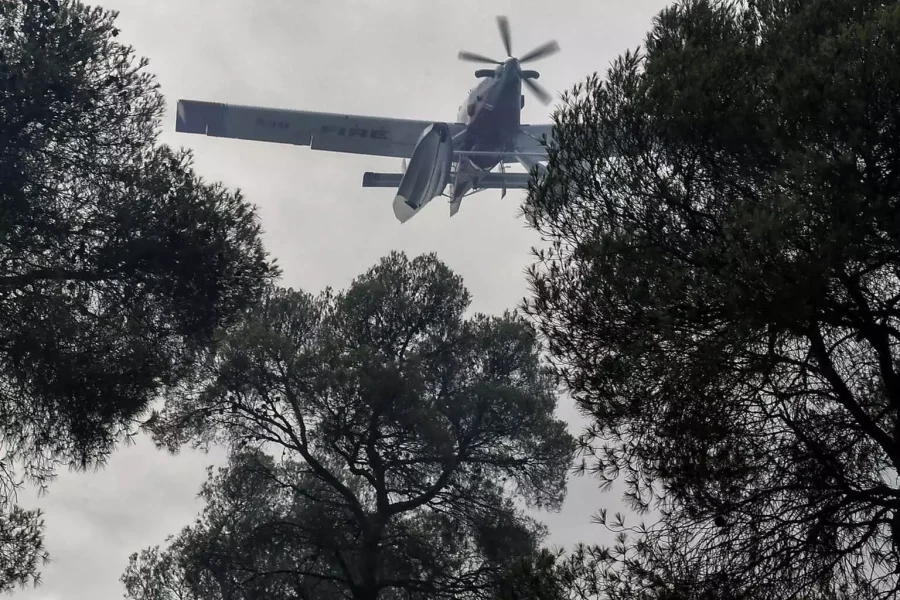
(541,51)
(543,95)
(472,57)
(503,24)
(503,179)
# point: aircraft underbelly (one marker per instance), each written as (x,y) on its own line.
(487,138)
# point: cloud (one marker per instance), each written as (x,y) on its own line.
(395,58)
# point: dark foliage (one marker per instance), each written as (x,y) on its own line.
(721,287)
(117,263)
(380,441)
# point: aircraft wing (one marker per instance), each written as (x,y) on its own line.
(528,142)
(487,181)
(530,136)
(355,134)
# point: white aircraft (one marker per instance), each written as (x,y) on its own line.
(488,133)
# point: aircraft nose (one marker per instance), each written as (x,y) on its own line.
(511,70)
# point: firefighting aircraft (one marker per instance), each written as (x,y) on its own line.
(461,155)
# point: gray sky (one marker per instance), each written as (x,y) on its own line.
(389,58)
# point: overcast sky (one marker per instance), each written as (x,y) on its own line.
(394,58)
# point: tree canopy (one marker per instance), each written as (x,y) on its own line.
(720,291)
(117,263)
(381,443)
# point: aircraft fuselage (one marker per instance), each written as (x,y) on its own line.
(492,115)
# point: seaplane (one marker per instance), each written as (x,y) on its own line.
(448,159)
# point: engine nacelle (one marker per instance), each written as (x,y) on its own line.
(428,172)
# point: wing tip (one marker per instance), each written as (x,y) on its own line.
(194,116)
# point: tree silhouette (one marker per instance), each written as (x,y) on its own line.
(720,292)
(117,263)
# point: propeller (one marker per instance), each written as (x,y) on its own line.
(540,52)
(503,25)
(543,95)
(528,77)
(478,58)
